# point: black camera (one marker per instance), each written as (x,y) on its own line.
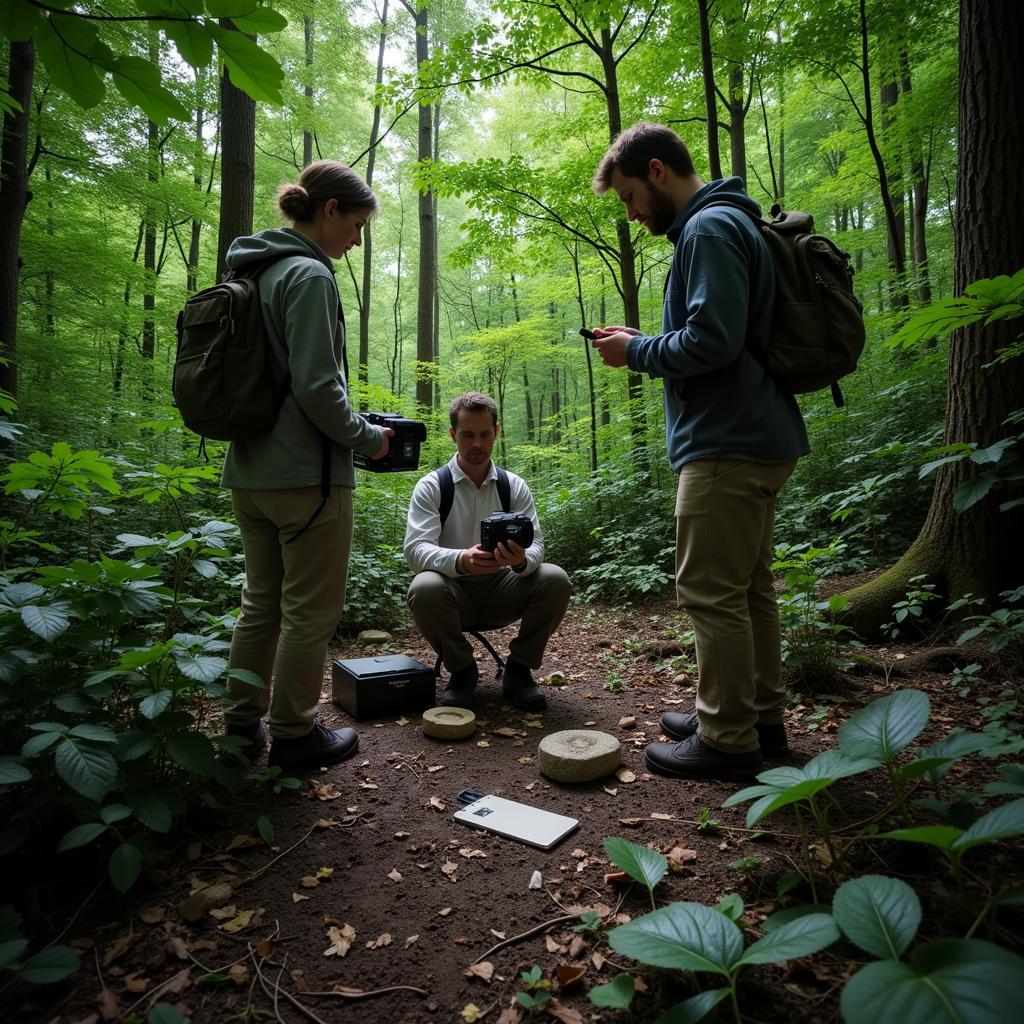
(403,445)
(500,527)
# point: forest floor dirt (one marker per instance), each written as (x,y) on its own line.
(370,846)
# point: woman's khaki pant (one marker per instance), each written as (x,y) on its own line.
(725,511)
(291,602)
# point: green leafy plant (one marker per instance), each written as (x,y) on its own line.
(642,863)
(949,980)
(537,990)
(911,608)
(693,937)
(705,821)
(275,778)
(590,923)
(43,968)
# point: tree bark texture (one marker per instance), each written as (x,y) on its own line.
(237,165)
(14,197)
(977,551)
(307,91)
(710,100)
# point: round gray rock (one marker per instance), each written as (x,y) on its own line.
(578,755)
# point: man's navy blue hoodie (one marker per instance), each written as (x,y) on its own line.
(719,400)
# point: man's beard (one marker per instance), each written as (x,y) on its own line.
(662,212)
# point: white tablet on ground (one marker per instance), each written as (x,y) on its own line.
(531,825)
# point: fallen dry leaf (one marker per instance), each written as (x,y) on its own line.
(265,948)
(597,960)
(324,872)
(239,974)
(224,913)
(624,775)
(243,843)
(135,983)
(395,875)
(579,854)
(402,721)
(326,791)
(152,915)
(436,802)
(527,759)
(469,853)
(107,1002)
(368,785)
(409,941)
(341,940)
(321,823)
(566,1014)
(297,897)
(444,911)
(510,1015)
(245,919)
(484,971)
(482,743)
(202,902)
(435,768)
(119,948)
(450,868)
(506,731)
(380,941)
(402,835)
(577,946)
(309,882)
(628,722)
(610,790)
(570,974)
(497,934)
(553,946)
(471,1013)
(617,878)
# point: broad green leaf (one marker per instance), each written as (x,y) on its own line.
(685,936)
(193,751)
(204,668)
(933,762)
(1012,781)
(262,20)
(953,981)
(152,810)
(616,995)
(971,491)
(885,726)
(12,771)
(942,836)
(164,1013)
(96,733)
(207,569)
(115,812)
(81,835)
(879,914)
(70,71)
(1002,823)
(695,1009)
(125,866)
(265,829)
(156,704)
(252,69)
(800,937)
(19,20)
(781,917)
(10,950)
(19,594)
(647,866)
(85,769)
(37,744)
(138,81)
(48,621)
(194,42)
(731,906)
(49,966)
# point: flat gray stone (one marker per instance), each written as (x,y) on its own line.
(578,755)
(371,637)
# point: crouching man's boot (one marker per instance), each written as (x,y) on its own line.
(521,689)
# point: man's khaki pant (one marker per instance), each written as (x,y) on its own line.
(291,602)
(725,510)
(443,608)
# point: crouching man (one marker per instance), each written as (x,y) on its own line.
(460,586)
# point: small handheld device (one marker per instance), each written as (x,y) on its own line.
(525,824)
(588,334)
(500,527)
(403,445)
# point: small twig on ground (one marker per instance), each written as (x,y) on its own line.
(354,996)
(99,972)
(259,871)
(185,970)
(525,935)
(277,986)
(298,1006)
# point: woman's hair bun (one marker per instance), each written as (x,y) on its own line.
(293,202)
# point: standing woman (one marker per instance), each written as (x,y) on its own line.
(291,488)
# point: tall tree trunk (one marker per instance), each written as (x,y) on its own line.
(307,91)
(977,551)
(919,193)
(526,379)
(14,197)
(149,245)
(237,164)
(737,124)
(896,236)
(371,159)
(435,345)
(428,226)
(627,260)
(49,321)
(192,270)
(710,100)
(590,365)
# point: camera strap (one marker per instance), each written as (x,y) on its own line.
(447,486)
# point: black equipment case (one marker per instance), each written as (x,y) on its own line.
(382,687)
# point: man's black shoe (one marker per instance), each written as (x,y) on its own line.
(461,684)
(255,736)
(773,737)
(694,758)
(321,747)
(521,689)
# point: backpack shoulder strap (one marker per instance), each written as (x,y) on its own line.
(504,490)
(447,485)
